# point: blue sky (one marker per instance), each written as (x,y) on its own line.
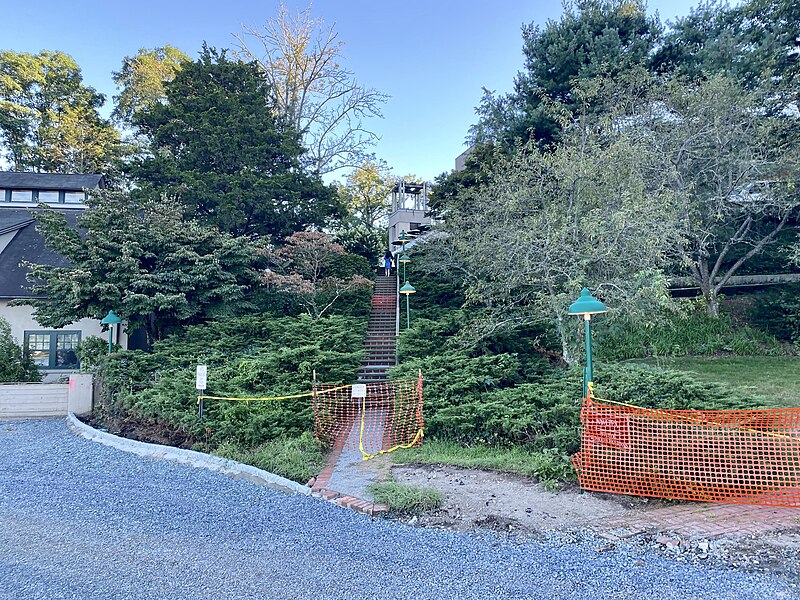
(431,56)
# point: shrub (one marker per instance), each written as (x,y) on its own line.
(247,357)
(478,403)
(15,365)
(92,351)
(689,334)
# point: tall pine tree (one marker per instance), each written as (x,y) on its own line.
(219,148)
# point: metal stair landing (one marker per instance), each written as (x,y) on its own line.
(381,340)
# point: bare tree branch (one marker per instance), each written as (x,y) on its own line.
(301,59)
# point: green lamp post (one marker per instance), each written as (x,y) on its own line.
(587,305)
(404,259)
(111,319)
(404,237)
(407,289)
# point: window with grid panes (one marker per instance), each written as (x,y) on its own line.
(53,349)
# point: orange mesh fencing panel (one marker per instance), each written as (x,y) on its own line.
(730,456)
(373,417)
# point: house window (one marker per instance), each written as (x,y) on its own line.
(48,196)
(21,195)
(74,197)
(3,195)
(53,349)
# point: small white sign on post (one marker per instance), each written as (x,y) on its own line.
(201,377)
(359,390)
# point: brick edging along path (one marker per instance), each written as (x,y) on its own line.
(319,485)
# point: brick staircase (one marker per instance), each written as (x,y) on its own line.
(381,339)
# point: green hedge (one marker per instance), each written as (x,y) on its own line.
(246,357)
(482,401)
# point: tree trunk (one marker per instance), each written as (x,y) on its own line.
(565,349)
(712,303)
(704,281)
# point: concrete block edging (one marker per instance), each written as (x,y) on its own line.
(224,466)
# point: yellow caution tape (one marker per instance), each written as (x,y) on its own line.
(316,392)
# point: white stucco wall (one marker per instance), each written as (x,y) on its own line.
(21,320)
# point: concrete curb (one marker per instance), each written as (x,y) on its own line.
(229,468)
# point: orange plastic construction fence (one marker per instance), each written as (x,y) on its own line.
(730,456)
(373,417)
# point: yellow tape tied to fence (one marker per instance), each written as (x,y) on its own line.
(385,416)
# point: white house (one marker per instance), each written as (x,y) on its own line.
(52,349)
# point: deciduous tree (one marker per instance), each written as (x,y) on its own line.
(142,78)
(365,194)
(306,268)
(545,224)
(302,60)
(730,170)
(143,258)
(49,119)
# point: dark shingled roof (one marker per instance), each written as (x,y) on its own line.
(49,181)
(26,245)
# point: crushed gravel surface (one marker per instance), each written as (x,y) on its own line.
(81,520)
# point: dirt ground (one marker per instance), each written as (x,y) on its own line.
(506,502)
(518,506)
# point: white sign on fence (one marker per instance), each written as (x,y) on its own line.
(359,390)
(201,377)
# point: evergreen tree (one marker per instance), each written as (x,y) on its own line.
(593,38)
(217,147)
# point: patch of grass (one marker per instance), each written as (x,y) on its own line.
(406,499)
(547,466)
(774,381)
(298,458)
(693,333)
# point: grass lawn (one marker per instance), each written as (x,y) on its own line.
(548,467)
(773,380)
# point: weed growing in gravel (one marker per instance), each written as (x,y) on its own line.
(406,499)
(298,458)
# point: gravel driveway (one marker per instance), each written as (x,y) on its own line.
(81,520)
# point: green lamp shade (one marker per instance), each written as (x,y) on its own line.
(407,289)
(111,319)
(586,305)
(405,258)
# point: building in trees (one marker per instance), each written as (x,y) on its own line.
(53,349)
(409,210)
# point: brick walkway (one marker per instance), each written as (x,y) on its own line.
(702,520)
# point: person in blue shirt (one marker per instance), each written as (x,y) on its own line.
(387,262)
